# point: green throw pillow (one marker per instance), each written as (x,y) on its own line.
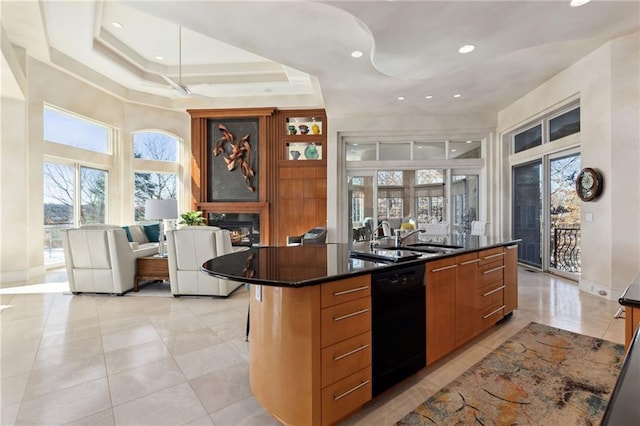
(126,231)
(153,232)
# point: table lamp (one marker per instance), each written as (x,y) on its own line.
(159,210)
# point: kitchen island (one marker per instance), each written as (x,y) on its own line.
(623,405)
(312,339)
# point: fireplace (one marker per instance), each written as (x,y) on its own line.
(244,227)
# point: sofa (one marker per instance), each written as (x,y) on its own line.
(101,259)
(187,249)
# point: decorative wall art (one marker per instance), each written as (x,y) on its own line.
(233,163)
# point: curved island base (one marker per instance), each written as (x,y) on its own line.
(311,318)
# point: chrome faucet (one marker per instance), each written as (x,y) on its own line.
(400,239)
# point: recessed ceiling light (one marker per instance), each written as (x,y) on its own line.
(457,95)
(356,54)
(401,98)
(468,141)
(116,24)
(577,3)
(158,57)
(467,48)
(428,97)
(453,150)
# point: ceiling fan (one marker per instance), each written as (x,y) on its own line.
(178,86)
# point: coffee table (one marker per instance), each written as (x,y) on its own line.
(152,268)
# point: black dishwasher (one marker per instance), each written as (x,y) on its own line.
(398,328)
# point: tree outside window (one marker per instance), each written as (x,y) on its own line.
(154,182)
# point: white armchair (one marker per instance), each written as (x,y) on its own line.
(99,259)
(190,247)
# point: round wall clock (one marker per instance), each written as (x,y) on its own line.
(589,184)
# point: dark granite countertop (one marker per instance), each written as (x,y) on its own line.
(623,407)
(631,296)
(299,266)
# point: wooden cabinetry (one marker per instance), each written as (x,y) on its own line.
(631,323)
(346,347)
(290,186)
(468,294)
(316,352)
(490,287)
(301,199)
(510,278)
(441,308)
(466,288)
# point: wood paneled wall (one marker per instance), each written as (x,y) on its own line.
(292,195)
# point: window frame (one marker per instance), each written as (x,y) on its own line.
(141,165)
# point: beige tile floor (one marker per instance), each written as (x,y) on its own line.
(109,360)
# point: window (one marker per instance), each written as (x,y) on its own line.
(74,195)
(73,130)
(155,146)
(552,127)
(564,125)
(357,205)
(75,191)
(430,196)
(422,187)
(149,185)
(528,139)
(156,168)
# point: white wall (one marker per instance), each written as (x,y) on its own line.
(23,151)
(609,89)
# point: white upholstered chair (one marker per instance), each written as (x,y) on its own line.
(440,228)
(99,259)
(479,228)
(188,248)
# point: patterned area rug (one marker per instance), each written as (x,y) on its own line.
(541,376)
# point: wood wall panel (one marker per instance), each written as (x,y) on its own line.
(291,194)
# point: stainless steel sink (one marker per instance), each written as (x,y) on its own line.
(385,255)
(431,248)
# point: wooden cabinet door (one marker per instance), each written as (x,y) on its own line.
(511,278)
(441,308)
(466,290)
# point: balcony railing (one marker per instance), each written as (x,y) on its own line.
(566,249)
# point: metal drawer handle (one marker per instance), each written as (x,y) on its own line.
(512,247)
(339,357)
(493,291)
(470,261)
(335,398)
(340,293)
(494,255)
(494,312)
(493,270)
(353,314)
(444,268)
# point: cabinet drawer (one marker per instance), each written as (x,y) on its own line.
(491,296)
(340,322)
(345,358)
(345,290)
(491,255)
(491,275)
(346,396)
(491,315)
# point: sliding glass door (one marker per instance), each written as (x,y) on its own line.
(546,213)
(564,214)
(74,195)
(527,212)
